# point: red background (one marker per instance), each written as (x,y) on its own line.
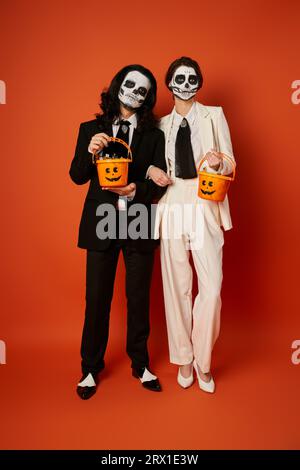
(56,57)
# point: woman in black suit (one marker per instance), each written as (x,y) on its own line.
(127,112)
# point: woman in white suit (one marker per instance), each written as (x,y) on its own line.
(188,224)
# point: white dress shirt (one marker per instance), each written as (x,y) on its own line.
(195,137)
(115,127)
(196,142)
(133,125)
(190,117)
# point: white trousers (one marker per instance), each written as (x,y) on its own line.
(192,329)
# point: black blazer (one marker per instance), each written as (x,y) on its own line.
(148,148)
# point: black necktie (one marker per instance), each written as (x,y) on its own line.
(184,158)
(123,132)
(115,148)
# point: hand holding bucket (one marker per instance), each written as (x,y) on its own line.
(113,171)
(213,186)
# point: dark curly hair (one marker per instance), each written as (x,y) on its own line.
(183,61)
(110,104)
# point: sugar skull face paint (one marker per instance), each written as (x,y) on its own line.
(134,89)
(184,83)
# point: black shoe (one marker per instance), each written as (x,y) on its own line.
(86,392)
(152,385)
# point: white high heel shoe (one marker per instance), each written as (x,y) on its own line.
(185,382)
(208,387)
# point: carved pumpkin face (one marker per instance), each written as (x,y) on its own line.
(213,187)
(112,173)
(207,187)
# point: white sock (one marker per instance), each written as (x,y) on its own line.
(147,376)
(88,381)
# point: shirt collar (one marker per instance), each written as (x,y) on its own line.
(190,117)
(132,119)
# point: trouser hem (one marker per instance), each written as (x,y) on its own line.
(182,361)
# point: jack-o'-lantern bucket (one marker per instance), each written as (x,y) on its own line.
(212,186)
(113,171)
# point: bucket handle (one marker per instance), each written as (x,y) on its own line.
(226,158)
(116,139)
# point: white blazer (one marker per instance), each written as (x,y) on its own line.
(214,135)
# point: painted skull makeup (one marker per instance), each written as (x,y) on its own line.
(184,83)
(134,89)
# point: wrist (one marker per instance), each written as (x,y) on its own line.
(131,195)
(148,173)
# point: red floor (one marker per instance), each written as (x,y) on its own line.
(256,404)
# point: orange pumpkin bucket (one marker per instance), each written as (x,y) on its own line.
(113,171)
(214,187)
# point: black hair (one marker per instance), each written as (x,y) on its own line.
(183,61)
(110,104)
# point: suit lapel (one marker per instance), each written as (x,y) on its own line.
(136,137)
(106,129)
(203,118)
(167,130)
(207,135)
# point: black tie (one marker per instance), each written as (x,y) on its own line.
(115,148)
(185,167)
(123,132)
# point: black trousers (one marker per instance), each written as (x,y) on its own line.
(100,275)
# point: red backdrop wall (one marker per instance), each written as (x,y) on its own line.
(56,57)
